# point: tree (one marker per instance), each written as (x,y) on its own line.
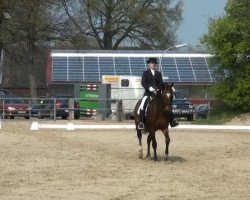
(30,28)
(228,39)
(112,24)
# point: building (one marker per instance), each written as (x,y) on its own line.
(191,73)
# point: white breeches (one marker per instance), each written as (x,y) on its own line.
(142,104)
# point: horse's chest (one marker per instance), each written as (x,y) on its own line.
(160,123)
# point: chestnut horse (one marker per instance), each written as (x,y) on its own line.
(157,118)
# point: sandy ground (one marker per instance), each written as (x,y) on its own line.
(243,119)
(59,164)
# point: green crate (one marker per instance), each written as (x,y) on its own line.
(89,97)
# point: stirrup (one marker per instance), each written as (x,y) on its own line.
(174,123)
(140,126)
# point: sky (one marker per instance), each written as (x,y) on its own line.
(196,15)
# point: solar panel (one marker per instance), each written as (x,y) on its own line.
(169,69)
(201,70)
(59,69)
(122,66)
(75,69)
(90,67)
(137,66)
(106,65)
(185,70)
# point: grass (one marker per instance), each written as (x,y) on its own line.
(220,115)
(216,119)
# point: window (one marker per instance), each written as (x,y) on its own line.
(124,82)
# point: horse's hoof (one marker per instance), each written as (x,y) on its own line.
(140,154)
(166,157)
(148,156)
(155,159)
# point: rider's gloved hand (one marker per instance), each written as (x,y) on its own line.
(151,89)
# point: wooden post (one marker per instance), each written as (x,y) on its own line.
(71,109)
(119,110)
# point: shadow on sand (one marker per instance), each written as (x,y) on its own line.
(171,159)
(174,159)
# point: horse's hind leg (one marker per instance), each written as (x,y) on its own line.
(148,142)
(139,135)
(167,140)
(154,145)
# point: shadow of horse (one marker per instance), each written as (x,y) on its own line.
(170,160)
(175,159)
(157,118)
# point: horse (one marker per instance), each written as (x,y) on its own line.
(157,118)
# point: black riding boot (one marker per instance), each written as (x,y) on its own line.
(141,123)
(173,122)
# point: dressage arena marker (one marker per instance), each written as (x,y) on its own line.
(70,126)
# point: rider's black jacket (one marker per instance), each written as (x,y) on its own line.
(148,80)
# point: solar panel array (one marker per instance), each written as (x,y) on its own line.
(188,68)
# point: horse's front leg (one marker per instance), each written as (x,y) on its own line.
(139,135)
(148,142)
(154,145)
(167,140)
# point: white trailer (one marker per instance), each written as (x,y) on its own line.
(125,88)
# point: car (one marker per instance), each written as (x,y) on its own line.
(13,106)
(182,108)
(62,107)
(202,111)
(46,108)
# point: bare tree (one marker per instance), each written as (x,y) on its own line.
(113,23)
(31,27)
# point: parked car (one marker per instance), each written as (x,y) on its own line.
(62,107)
(45,108)
(202,111)
(182,108)
(13,106)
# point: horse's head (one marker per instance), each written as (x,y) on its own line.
(164,95)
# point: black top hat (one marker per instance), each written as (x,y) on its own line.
(152,60)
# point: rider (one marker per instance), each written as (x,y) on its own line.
(151,81)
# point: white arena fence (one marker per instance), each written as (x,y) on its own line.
(71,126)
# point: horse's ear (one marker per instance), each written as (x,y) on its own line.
(172,84)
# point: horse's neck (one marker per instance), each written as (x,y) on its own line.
(157,105)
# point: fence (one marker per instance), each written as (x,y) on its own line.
(52,108)
(70,108)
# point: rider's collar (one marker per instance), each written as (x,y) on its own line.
(152,71)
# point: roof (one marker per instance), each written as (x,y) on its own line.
(90,66)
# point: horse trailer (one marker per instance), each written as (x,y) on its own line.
(125,88)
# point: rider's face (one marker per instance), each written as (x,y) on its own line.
(152,65)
